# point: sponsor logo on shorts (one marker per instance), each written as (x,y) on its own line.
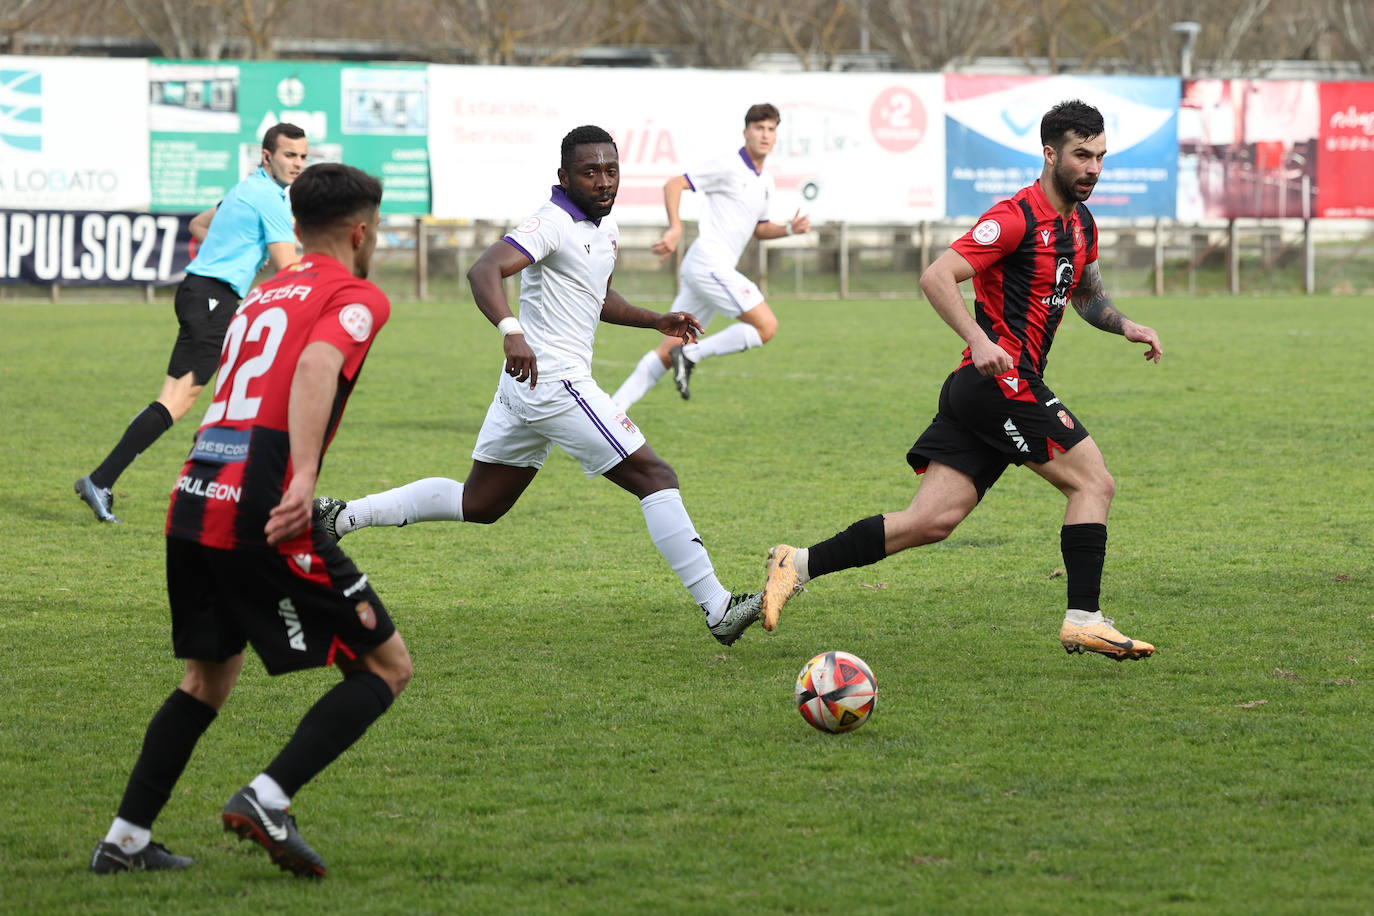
(1066,419)
(987,232)
(366,616)
(295,633)
(303,562)
(1015,436)
(357,321)
(209,489)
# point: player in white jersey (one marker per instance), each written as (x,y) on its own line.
(546,395)
(735,209)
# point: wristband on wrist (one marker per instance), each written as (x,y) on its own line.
(788,226)
(509,326)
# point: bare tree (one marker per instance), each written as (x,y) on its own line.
(184,28)
(719,33)
(933,35)
(528,31)
(1355,22)
(257,18)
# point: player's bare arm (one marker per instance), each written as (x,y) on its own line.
(282,254)
(200,223)
(485,279)
(799,224)
(940,282)
(1091,301)
(312,398)
(672,200)
(616,310)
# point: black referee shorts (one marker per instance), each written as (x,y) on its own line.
(986,423)
(305,611)
(204,309)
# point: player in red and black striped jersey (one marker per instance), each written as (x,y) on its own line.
(245,564)
(1028,257)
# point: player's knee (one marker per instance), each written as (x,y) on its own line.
(397,673)
(767,328)
(1104,486)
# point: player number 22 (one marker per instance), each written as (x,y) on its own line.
(239,406)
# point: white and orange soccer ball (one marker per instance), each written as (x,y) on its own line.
(836,692)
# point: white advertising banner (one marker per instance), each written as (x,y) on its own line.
(74,133)
(853,147)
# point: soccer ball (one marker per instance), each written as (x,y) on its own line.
(836,692)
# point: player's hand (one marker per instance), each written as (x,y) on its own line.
(293,514)
(679,324)
(801,223)
(520,360)
(668,244)
(988,358)
(1138,333)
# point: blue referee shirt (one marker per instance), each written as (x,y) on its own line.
(254,214)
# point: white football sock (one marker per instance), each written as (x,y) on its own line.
(130,838)
(1082,618)
(269,793)
(644,377)
(799,558)
(735,339)
(672,533)
(434,499)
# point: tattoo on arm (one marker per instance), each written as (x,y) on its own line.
(1091,301)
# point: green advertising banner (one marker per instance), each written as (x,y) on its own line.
(207,119)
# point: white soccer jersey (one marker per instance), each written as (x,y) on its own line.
(735,201)
(563,289)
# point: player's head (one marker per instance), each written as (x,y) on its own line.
(283,152)
(590,170)
(337,207)
(1075,142)
(760,130)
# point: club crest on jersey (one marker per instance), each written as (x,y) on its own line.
(1063,284)
(357,321)
(1066,419)
(366,615)
(987,232)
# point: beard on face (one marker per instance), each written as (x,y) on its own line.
(1068,189)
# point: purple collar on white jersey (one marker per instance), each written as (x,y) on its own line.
(561,198)
(743,154)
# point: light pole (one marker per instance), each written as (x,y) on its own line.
(1189,32)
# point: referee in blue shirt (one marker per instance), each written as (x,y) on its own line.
(250,226)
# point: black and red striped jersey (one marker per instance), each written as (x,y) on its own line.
(240,463)
(1028,260)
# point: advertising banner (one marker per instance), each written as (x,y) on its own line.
(88,248)
(993,149)
(1244,148)
(855,147)
(207,121)
(1345,152)
(73,133)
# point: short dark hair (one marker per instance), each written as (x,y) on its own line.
(580,136)
(1070,117)
(331,192)
(762,112)
(289,131)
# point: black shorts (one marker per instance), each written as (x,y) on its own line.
(200,335)
(306,611)
(986,423)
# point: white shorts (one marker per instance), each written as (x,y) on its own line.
(708,291)
(578,417)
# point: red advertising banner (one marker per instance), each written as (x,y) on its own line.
(1345,155)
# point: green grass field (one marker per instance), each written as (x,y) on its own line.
(575,742)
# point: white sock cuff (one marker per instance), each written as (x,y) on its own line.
(269,792)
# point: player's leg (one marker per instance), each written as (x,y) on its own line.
(214,658)
(1081,475)
(944,499)
(295,619)
(195,356)
(653,365)
(731,293)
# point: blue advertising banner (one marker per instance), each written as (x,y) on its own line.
(992,140)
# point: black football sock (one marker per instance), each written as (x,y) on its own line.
(861,544)
(144,429)
(171,737)
(330,727)
(1085,549)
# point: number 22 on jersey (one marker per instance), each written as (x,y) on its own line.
(267,329)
